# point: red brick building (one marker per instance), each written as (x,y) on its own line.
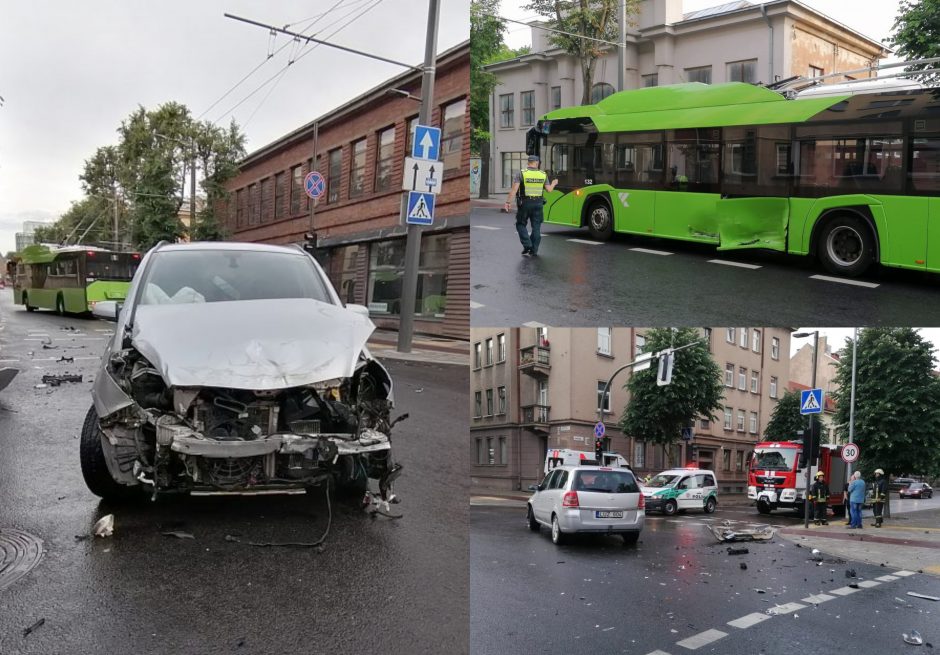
(360,237)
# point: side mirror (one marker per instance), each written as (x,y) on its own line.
(532,487)
(362,310)
(107,310)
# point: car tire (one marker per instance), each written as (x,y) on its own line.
(846,246)
(558,537)
(710,506)
(630,538)
(94,467)
(26,304)
(530,519)
(763,507)
(600,220)
(60,306)
(670,507)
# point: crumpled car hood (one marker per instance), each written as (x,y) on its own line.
(250,344)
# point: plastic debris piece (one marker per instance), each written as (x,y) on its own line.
(760,591)
(854,585)
(815,551)
(913,638)
(104,527)
(738,551)
(744,566)
(40,386)
(850,573)
(924,596)
(31,629)
(179,534)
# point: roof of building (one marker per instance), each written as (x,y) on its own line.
(719,9)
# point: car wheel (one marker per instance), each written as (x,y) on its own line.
(763,507)
(60,306)
(846,246)
(26,304)
(600,220)
(94,467)
(558,537)
(530,519)
(630,538)
(670,507)
(710,505)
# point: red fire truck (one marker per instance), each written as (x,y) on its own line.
(776,475)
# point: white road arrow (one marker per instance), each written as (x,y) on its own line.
(426,143)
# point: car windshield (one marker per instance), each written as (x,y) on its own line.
(916,485)
(663,480)
(774,459)
(198,276)
(611,482)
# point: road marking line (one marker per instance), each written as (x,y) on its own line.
(476,305)
(701,639)
(658,652)
(785,609)
(586,242)
(903,574)
(9,360)
(888,578)
(534,324)
(843,591)
(857,283)
(748,620)
(28,339)
(816,599)
(725,262)
(867,584)
(486,227)
(651,252)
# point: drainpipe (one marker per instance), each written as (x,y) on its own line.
(770,27)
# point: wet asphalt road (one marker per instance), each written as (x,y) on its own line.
(597,596)
(584,283)
(389,586)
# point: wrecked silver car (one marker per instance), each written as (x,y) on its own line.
(236,367)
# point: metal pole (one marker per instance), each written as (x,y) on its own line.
(115,236)
(192,190)
(413,242)
(852,399)
(622,50)
(313,201)
(809,450)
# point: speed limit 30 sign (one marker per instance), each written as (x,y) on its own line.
(850,453)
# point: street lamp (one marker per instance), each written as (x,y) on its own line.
(808,446)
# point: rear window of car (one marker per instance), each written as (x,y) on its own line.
(611,482)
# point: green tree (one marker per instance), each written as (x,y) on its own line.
(897,401)
(917,34)
(786,423)
(595,19)
(218,152)
(657,414)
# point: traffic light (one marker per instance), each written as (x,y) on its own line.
(664,375)
(811,441)
(599,451)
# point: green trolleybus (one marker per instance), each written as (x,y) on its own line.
(852,179)
(71,279)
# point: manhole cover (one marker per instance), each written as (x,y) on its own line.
(19,553)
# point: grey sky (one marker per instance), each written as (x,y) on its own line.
(837,336)
(73,70)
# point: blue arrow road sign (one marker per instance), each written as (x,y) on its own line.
(314,184)
(599,430)
(427,142)
(420,208)
(811,401)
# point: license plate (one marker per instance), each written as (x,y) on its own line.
(608,515)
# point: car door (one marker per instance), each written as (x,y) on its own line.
(541,504)
(708,487)
(690,495)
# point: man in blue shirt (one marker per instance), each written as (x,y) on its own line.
(856,499)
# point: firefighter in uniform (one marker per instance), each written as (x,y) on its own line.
(819,496)
(529,209)
(880,496)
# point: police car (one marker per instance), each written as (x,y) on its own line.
(678,490)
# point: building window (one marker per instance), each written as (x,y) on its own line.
(506,118)
(480,459)
(357,169)
(343,271)
(729,375)
(335,175)
(384,159)
(255,198)
(600,392)
(556,97)
(513,162)
(740,420)
(773,386)
(743,71)
(387,268)
(412,126)
(755,382)
(541,333)
(501,399)
(603,341)
(651,80)
(639,344)
(296,189)
(705,424)
(452,134)
(600,91)
(639,454)
(753,424)
(739,461)
(490,453)
(489,402)
(775,348)
(477,404)
(500,347)
(729,335)
(241,205)
(477,355)
(742,378)
(489,352)
(726,459)
(503,455)
(267,199)
(728,418)
(280,195)
(755,340)
(527,102)
(701,74)
(815,71)
(743,333)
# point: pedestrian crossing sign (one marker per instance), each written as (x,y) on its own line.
(420,208)
(811,401)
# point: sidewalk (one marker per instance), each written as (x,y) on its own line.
(496,202)
(434,350)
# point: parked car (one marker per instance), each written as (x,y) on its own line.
(678,490)
(917,490)
(236,367)
(577,499)
(899,483)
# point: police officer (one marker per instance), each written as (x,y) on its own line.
(880,496)
(533,181)
(819,495)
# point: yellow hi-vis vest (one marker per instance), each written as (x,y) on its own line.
(532,182)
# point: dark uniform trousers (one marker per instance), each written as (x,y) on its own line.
(530,210)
